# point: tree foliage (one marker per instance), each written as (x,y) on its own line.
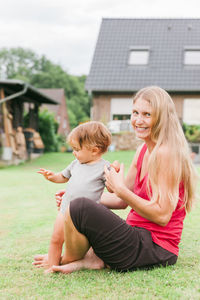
(26,65)
(192,133)
(47,129)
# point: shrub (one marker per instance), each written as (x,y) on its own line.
(192,133)
(47,128)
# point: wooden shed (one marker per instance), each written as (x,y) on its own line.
(16,142)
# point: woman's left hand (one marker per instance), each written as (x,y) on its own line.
(115,180)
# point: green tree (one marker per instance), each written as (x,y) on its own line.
(18,63)
(24,64)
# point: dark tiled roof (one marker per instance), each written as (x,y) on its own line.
(166,39)
(56,94)
(18,89)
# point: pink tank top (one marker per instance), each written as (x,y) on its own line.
(169,236)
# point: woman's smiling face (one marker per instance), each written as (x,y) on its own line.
(141,119)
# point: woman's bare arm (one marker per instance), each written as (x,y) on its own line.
(111,201)
(158,212)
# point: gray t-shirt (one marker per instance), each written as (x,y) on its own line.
(85,180)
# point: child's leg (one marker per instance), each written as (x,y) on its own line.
(56,243)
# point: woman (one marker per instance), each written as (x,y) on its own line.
(159,188)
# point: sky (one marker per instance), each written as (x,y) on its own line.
(66,31)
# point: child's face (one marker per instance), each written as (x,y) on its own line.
(84,155)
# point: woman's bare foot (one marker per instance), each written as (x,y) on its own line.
(40,261)
(90,261)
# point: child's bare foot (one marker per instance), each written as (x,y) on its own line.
(90,261)
(48,271)
(41,261)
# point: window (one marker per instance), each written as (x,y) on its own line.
(120,114)
(122,117)
(138,57)
(192,57)
(121,108)
(191,108)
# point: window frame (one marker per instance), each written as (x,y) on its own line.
(191,105)
(191,49)
(138,49)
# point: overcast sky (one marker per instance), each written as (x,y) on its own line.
(65,31)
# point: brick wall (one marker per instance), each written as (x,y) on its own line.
(125,141)
(102,103)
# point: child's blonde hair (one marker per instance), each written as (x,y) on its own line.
(91,134)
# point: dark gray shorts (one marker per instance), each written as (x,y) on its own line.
(119,245)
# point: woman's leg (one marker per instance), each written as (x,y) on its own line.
(90,262)
(76,244)
(78,254)
(117,244)
(94,222)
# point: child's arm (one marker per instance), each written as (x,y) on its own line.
(54,177)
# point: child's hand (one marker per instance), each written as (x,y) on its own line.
(116,165)
(58,197)
(49,175)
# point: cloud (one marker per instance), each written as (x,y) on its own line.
(66,30)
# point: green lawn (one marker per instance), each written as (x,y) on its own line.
(27,214)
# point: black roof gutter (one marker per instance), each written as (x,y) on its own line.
(15,95)
(25,89)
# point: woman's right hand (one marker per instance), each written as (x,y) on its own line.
(58,196)
(115,180)
(116,165)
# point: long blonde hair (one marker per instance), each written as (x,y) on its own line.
(167,131)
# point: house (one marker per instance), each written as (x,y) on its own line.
(60,110)
(16,142)
(133,53)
